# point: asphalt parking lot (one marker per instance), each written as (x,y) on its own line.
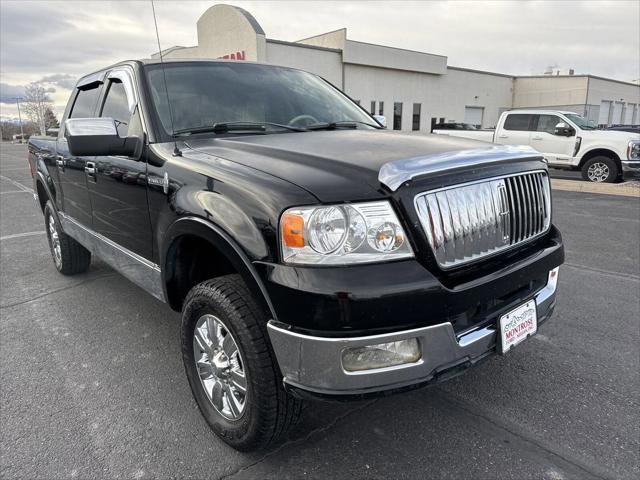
(92,383)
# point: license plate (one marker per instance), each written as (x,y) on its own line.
(517,325)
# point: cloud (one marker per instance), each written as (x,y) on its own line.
(9,93)
(61,80)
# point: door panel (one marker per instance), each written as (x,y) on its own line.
(119,188)
(555,148)
(73,183)
(516,130)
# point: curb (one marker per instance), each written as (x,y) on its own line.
(624,189)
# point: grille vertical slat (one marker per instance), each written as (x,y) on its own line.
(467,222)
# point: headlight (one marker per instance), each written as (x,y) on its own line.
(342,234)
(633,150)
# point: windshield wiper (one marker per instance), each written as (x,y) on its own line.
(225,127)
(341,124)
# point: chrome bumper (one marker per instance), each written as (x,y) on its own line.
(630,165)
(314,363)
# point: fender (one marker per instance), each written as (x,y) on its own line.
(40,178)
(221,240)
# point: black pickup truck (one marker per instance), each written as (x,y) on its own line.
(313,254)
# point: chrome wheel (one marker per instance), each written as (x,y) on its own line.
(220,366)
(54,240)
(598,172)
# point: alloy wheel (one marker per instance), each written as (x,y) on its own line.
(54,240)
(598,172)
(220,366)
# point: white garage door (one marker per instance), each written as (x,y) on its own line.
(473,115)
(628,113)
(616,118)
(605,109)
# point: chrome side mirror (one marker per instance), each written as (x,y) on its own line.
(381,119)
(88,137)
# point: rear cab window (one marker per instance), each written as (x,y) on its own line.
(519,121)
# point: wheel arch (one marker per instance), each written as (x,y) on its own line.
(600,152)
(230,256)
(44,192)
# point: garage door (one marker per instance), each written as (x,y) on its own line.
(605,109)
(616,118)
(473,115)
(628,113)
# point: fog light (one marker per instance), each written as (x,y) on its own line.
(381,355)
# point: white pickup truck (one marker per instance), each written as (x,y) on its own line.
(566,140)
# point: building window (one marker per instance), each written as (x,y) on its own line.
(434,121)
(441,119)
(397,116)
(373,107)
(381,108)
(416,116)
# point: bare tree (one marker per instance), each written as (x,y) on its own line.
(35,102)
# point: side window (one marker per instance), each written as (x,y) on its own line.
(547,123)
(518,121)
(116,106)
(85,103)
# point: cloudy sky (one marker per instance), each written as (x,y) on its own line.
(55,42)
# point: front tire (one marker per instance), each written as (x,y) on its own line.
(601,170)
(231,367)
(68,255)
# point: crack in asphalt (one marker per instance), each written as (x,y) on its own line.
(51,292)
(454,403)
(297,441)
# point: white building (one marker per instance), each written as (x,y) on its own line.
(414,90)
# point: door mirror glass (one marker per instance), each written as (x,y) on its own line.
(381,119)
(564,130)
(88,137)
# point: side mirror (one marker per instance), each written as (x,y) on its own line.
(564,130)
(88,137)
(381,119)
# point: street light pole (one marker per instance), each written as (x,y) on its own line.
(20,120)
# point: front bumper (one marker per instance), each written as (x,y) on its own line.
(313,364)
(631,166)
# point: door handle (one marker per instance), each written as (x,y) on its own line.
(503,136)
(536,138)
(60,162)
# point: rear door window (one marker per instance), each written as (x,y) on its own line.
(518,121)
(85,102)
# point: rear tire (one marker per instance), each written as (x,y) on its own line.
(231,366)
(601,170)
(68,255)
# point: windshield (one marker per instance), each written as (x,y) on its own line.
(581,122)
(206,94)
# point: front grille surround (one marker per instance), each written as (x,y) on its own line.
(468,222)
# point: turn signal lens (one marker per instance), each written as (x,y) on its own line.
(292,230)
(381,356)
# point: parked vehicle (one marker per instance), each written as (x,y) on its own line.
(625,128)
(313,254)
(567,141)
(454,126)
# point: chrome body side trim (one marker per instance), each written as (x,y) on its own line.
(394,174)
(314,363)
(138,269)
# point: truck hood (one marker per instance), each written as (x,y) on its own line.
(612,136)
(335,165)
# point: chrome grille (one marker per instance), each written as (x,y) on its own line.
(466,222)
